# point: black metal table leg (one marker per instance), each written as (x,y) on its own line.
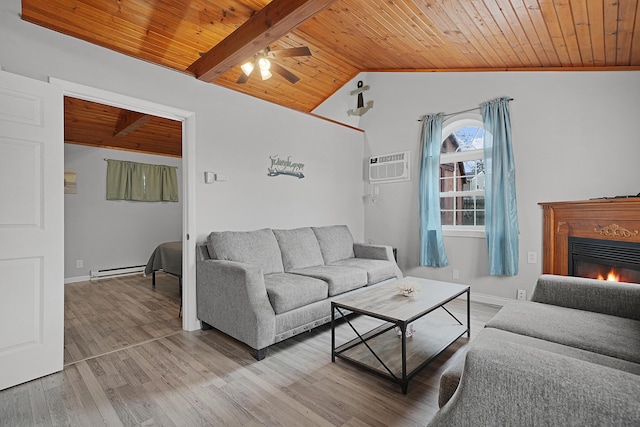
(469,313)
(333,333)
(405,383)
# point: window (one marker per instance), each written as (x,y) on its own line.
(462,177)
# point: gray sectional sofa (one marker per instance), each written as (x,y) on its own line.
(264,286)
(570,356)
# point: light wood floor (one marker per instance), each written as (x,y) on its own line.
(110,314)
(174,377)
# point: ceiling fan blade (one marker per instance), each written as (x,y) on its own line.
(243,78)
(284,72)
(293,51)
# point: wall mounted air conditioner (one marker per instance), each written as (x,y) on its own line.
(392,167)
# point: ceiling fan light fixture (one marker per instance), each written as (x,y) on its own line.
(247,68)
(265,73)
(264,63)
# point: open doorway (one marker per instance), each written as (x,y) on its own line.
(187,120)
(107,239)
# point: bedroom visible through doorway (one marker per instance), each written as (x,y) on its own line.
(110,313)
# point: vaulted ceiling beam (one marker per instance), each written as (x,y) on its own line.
(128,121)
(271,23)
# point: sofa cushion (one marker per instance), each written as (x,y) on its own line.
(259,248)
(601,333)
(600,296)
(377,270)
(336,242)
(451,377)
(289,291)
(507,384)
(299,248)
(339,279)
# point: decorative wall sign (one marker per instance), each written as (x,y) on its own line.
(281,166)
(70,181)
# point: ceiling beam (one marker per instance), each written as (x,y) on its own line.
(273,22)
(130,121)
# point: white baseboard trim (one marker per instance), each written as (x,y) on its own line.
(133,273)
(68,280)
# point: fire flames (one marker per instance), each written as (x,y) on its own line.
(612,276)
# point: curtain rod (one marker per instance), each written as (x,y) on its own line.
(129,161)
(463,111)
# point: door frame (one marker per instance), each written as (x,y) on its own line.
(189,316)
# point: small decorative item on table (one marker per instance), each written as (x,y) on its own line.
(409,332)
(408,288)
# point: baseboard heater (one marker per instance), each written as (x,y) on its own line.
(110,272)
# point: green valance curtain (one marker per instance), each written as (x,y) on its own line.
(141,182)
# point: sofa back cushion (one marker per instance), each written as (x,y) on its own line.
(299,248)
(258,248)
(336,242)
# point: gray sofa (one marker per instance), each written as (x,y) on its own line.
(264,286)
(570,356)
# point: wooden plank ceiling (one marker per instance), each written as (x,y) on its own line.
(98,125)
(350,36)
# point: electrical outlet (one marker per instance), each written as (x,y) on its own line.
(532,257)
(522,295)
(79,264)
(376,190)
(456,274)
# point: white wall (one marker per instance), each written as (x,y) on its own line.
(575,136)
(113,233)
(235,134)
(336,106)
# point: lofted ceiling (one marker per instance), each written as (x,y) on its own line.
(210,38)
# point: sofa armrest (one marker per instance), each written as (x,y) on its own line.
(232,298)
(613,298)
(512,385)
(380,252)
(365,250)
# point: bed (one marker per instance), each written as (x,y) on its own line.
(168,258)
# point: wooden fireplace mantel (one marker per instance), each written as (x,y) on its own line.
(608,219)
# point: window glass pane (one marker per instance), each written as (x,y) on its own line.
(464,139)
(462,171)
(446,203)
(472,167)
(480,210)
(446,217)
(470,138)
(447,177)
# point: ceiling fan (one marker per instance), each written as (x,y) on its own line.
(265,62)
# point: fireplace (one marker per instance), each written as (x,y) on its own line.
(593,238)
(604,259)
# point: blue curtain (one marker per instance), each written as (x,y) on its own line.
(432,251)
(500,189)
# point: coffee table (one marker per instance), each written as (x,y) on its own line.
(377,350)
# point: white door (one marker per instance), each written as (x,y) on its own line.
(31,229)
